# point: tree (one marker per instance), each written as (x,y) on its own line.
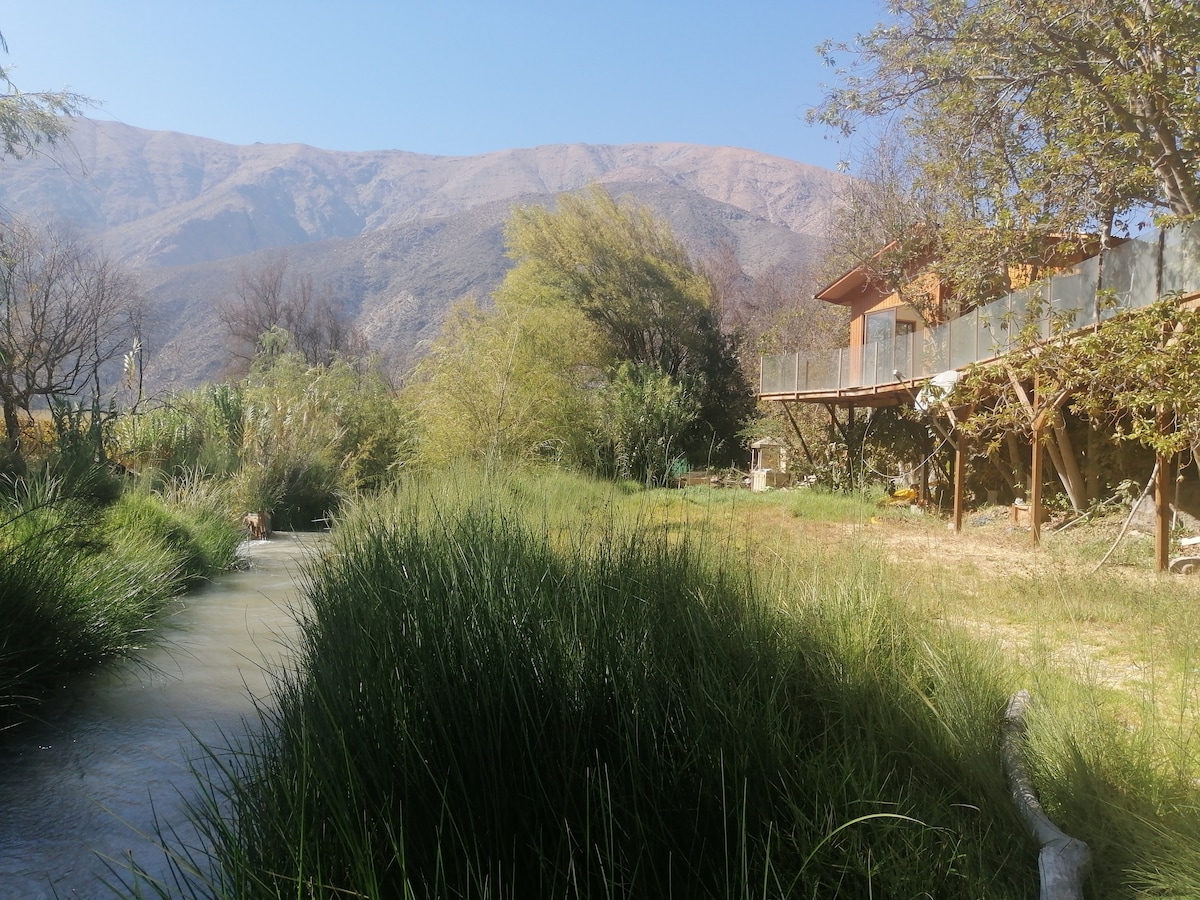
(268,301)
(623,269)
(1132,377)
(511,384)
(65,313)
(881,226)
(29,121)
(646,412)
(1134,374)
(1043,116)
(310,435)
(601,351)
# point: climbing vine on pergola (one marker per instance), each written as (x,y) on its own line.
(1136,375)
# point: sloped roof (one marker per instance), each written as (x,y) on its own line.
(839,291)
(854,281)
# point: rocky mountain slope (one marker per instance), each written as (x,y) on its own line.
(398,235)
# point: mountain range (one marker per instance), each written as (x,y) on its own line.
(397,236)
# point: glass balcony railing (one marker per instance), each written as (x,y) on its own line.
(1130,276)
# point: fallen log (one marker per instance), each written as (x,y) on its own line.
(1064,861)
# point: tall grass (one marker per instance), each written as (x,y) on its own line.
(201,538)
(486,706)
(1116,737)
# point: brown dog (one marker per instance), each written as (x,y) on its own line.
(259,524)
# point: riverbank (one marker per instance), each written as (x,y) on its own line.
(88,564)
(108,761)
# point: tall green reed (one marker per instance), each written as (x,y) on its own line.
(65,602)
(486,706)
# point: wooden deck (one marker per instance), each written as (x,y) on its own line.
(887,373)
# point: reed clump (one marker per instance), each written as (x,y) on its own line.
(488,706)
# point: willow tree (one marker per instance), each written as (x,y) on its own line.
(1033,117)
(506,385)
(30,120)
(632,279)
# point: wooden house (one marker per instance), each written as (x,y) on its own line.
(901,328)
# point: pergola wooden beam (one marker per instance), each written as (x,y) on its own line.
(960,477)
(1164,496)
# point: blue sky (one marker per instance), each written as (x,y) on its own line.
(453,77)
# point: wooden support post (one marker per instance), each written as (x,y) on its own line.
(1035,482)
(960,477)
(799,434)
(1164,496)
(1164,499)
(1068,467)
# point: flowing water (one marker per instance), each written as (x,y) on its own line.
(112,754)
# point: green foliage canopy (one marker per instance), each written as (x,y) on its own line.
(646,412)
(1036,113)
(1135,373)
(626,272)
(515,383)
(602,351)
(623,269)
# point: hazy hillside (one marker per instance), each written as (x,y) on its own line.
(400,235)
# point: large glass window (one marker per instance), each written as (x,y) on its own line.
(888,345)
(881,326)
(884,325)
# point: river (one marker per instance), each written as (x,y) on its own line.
(111,754)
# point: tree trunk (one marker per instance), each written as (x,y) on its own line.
(12,426)
(1062,453)
(11,460)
